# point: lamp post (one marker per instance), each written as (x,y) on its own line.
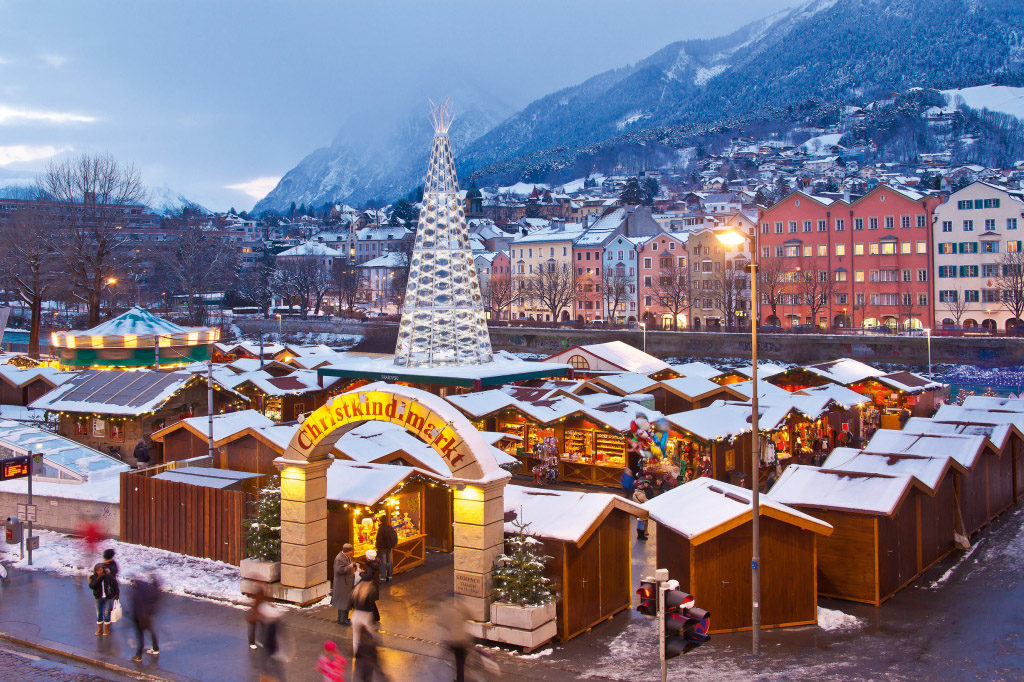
(928,333)
(736,238)
(279,327)
(643,326)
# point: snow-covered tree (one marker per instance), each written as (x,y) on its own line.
(263,529)
(519,573)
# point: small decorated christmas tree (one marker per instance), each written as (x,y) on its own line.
(519,574)
(263,529)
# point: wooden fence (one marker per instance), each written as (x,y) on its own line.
(183,518)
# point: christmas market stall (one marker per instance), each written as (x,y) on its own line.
(765,370)
(587,536)
(974,505)
(113,410)
(872,552)
(190,437)
(612,357)
(134,339)
(697,369)
(936,512)
(1008,437)
(249,350)
(704,539)
(22,386)
(714,441)
(688,393)
(360,496)
(1007,475)
(623,383)
(286,398)
(599,441)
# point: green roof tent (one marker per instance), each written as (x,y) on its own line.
(131,340)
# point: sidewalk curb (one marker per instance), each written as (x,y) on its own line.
(50,648)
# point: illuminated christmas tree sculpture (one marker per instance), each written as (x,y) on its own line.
(443,321)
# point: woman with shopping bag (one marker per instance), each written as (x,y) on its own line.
(106,591)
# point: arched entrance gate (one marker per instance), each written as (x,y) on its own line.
(479,488)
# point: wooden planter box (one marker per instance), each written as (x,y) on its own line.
(528,627)
(522,617)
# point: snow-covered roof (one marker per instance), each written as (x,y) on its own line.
(704,508)
(810,486)
(250,347)
(843,396)
(569,516)
(965,449)
(908,382)
(764,389)
(19,377)
(764,370)
(311,249)
(997,434)
(620,354)
(844,371)
(224,425)
(375,441)
(992,402)
(391,259)
(959,414)
(315,360)
(368,484)
(137,321)
(298,382)
(115,392)
(693,387)
(698,369)
(624,382)
(928,470)
(726,421)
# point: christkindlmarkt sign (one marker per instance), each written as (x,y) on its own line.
(427,424)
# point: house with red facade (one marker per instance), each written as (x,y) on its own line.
(836,263)
(662,281)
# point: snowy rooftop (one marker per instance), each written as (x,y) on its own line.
(626,382)
(298,382)
(224,425)
(810,486)
(840,394)
(311,249)
(19,377)
(693,387)
(621,355)
(698,369)
(845,371)
(928,470)
(764,370)
(764,389)
(997,434)
(391,259)
(136,321)
(908,382)
(721,421)
(958,414)
(367,484)
(965,449)
(698,508)
(569,516)
(114,392)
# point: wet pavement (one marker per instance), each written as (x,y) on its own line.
(952,624)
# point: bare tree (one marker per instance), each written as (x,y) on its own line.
(500,295)
(907,302)
(92,195)
(616,289)
(815,286)
(771,284)
(1011,283)
(256,284)
(729,295)
(304,279)
(956,305)
(671,290)
(554,288)
(197,262)
(349,283)
(31,264)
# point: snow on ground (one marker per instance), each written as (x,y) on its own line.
(829,619)
(952,569)
(178,573)
(1001,98)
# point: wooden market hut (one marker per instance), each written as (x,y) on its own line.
(623,383)
(697,369)
(1004,426)
(765,370)
(587,536)
(935,510)
(688,393)
(113,409)
(359,495)
(612,357)
(872,552)
(189,438)
(20,386)
(1006,477)
(236,350)
(976,454)
(286,398)
(704,539)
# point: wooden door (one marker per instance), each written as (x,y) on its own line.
(616,590)
(583,591)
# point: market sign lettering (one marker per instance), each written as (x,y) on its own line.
(345,409)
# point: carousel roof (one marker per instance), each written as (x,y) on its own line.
(130,327)
(135,321)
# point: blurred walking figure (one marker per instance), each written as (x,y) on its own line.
(253,614)
(344,581)
(331,664)
(103,582)
(387,540)
(371,574)
(363,599)
(145,597)
(90,533)
(276,647)
(456,638)
(367,659)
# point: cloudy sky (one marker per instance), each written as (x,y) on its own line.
(217,100)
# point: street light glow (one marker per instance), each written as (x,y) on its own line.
(111,280)
(730,237)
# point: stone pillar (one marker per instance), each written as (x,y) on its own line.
(479,536)
(303,531)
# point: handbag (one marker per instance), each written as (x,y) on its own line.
(115,611)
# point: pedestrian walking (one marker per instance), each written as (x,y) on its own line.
(90,534)
(274,643)
(363,606)
(387,540)
(252,616)
(106,591)
(344,581)
(331,664)
(456,638)
(367,658)
(371,575)
(145,596)
(640,496)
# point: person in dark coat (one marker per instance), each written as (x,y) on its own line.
(363,605)
(344,580)
(145,596)
(387,540)
(371,575)
(367,659)
(141,452)
(105,589)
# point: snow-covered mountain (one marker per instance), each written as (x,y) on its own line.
(164,200)
(1003,99)
(382,154)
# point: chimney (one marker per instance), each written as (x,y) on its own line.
(846,193)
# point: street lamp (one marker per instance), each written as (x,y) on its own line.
(643,326)
(736,238)
(928,333)
(278,315)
